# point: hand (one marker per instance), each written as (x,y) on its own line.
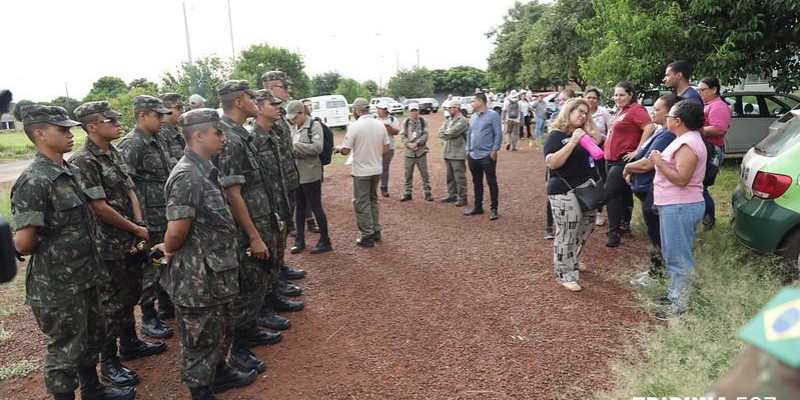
(493,155)
(577,135)
(627,176)
(655,156)
(337,150)
(258,249)
(141,233)
(627,157)
(161,248)
(414,146)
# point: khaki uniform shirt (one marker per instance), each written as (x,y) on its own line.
(454,134)
(413,132)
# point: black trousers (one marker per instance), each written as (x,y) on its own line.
(526,124)
(478,168)
(311,193)
(650,215)
(620,196)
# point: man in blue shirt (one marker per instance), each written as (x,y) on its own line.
(483,141)
(677,76)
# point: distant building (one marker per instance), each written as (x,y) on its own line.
(8,122)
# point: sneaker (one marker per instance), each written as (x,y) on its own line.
(643,281)
(582,267)
(601,220)
(613,239)
(549,234)
(572,286)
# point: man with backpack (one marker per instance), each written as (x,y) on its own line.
(511,120)
(415,140)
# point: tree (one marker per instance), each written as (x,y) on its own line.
(372,87)
(260,58)
(68,103)
(464,80)
(19,107)
(325,83)
(105,88)
(440,84)
(143,83)
(201,77)
(351,89)
(416,82)
(505,60)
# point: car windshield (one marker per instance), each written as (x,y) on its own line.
(780,141)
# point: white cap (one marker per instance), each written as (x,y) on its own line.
(513,93)
(413,106)
(196,99)
(382,105)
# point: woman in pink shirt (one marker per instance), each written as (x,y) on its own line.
(678,194)
(718,121)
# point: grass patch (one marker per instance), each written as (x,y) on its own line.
(5,201)
(17,370)
(15,145)
(731,284)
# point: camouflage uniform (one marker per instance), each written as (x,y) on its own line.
(170,133)
(65,267)
(202,277)
(102,178)
(242,162)
(147,162)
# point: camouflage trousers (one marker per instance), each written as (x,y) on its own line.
(151,275)
(75,332)
(119,296)
(254,282)
(205,334)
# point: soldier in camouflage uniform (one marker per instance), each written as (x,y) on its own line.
(280,85)
(243,176)
(120,227)
(54,226)
(268,145)
(202,274)
(147,162)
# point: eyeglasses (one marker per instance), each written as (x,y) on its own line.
(672,116)
(701,90)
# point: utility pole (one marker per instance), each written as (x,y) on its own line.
(230,24)
(397,62)
(417,58)
(186,28)
(66,89)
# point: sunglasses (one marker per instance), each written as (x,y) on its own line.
(112,121)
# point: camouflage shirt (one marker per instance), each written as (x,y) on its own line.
(241,162)
(269,148)
(284,133)
(102,178)
(65,261)
(175,142)
(147,162)
(205,271)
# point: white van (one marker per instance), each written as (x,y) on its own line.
(331,109)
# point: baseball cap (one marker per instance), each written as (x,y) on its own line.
(413,106)
(95,107)
(293,108)
(360,103)
(455,103)
(276,76)
(153,103)
(513,93)
(234,86)
(196,99)
(200,116)
(39,114)
(382,105)
(267,95)
(172,100)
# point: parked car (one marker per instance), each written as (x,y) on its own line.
(466,105)
(394,106)
(552,104)
(766,203)
(751,115)
(428,105)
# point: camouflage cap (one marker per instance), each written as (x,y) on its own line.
(293,108)
(267,95)
(172,100)
(39,114)
(200,116)
(360,103)
(95,107)
(234,86)
(276,76)
(150,102)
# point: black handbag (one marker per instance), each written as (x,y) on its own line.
(591,195)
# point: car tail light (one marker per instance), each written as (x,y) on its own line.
(769,186)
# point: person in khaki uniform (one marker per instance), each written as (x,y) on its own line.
(454,134)
(414,134)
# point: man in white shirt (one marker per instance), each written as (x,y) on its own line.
(392,125)
(368,140)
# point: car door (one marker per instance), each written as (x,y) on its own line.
(749,122)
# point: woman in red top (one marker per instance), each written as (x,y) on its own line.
(629,130)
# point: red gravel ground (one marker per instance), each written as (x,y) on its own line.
(445,307)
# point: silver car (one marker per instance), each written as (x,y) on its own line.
(752,114)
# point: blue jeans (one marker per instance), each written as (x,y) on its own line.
(540,122)
(678,223)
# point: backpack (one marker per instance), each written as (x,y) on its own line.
(713,161)
(513,109)
(408,122)
(327,141)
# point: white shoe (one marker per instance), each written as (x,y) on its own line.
(572,286)
(600,220)
(581,266)
(643,281)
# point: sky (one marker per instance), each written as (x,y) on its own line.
(51,48)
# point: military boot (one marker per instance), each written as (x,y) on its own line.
(241,357)
(91,389)
(271,320)
(279,303)
(292,273)
(228,378)
(151,325)
(166,310)
(252,337)
(287,289)
(131,347)
(112,370)
(202,393)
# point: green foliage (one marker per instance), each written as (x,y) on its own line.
(17,113)
(105,88)
(124,104)
(325,83)
(506,60)
(372,87)
(201,76)
(68,103)
(17,370)
(143,83)
(458,80)
(411,83)
(260,58)
(351,89)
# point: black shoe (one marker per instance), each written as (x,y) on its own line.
(447,199)
(406,197)
(624,230)
(292,273)
(257,337)
(165,313)
(271,320)
(244,360)
(91,389)
(202,393)
(493,215)
(311,226)
(228,378)
(461,203)
(154,328)
(385,192)
(136,348)
(365,241)
(376,236)
(287,289)
(113,372)
(474,211)
(508,146)
(613,239)
(298,247)
(549,234)
(322,246)
(281,304)
(428,197)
